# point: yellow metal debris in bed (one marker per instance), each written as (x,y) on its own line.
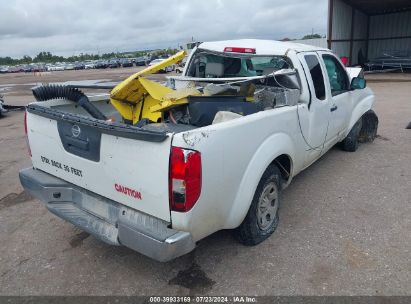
(137,97)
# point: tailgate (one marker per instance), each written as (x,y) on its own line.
(120,163)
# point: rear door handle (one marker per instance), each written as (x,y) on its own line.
(334,108)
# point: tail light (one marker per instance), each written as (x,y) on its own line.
(184,179)
(240,50)
(25,131)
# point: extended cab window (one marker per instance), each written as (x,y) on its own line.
(207,64)
(316,75)
(337,76)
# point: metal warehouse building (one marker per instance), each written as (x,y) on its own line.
(363,30)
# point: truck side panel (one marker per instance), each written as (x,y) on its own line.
(230,151)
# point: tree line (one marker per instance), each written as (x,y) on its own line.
(306,37)
(48,57)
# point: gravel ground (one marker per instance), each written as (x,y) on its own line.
(344,226)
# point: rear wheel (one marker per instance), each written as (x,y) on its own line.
(262,217)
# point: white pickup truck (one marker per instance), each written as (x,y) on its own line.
(268,111)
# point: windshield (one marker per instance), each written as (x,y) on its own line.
(206,64)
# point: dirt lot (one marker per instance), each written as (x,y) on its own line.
(344,229)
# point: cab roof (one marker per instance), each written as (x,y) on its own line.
(262,47)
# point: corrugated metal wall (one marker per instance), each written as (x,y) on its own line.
(391,25)
(360,32)
(360,25)
(341,21)
(341,30)
(387,26)
(380,28)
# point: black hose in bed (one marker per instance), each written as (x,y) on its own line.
(48,92)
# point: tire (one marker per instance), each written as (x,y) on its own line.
(260,221)
(350,143)
(369,127)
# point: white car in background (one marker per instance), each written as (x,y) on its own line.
(4,69)
(166,69)
(89,65)
(179,68)
(55,68)
(69,66)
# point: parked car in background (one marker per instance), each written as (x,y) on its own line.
(27,68)
(79,66)
(39,68)
(179,68)
(165,70)
(141,61)
(126,63)
(69,67)
(90,65)
(101,64)
(14,69)
(114,63)
(56,67)
(21,67)
(4,69)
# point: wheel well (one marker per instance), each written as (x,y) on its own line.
(284,163)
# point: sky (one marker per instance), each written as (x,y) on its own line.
(71,27)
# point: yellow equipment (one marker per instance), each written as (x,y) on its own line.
(137,97)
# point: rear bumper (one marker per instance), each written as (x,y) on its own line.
(107,220)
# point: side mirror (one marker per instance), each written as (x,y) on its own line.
(358,83)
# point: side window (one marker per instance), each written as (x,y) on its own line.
(337,76)
(316,75)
